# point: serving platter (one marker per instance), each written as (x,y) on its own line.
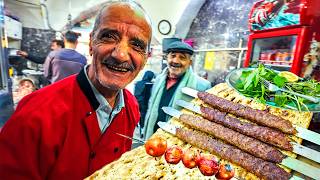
(137,164)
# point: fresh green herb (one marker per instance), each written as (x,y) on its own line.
(279,81)
(249,84)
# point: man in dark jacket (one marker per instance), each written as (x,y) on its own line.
(142,91)
(68,130)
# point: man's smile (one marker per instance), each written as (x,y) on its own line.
(114,65)
(115,68)
(175,65)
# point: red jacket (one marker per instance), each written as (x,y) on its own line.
(54,133)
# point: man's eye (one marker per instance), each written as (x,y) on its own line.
(183,58)
(108,37)
(138,46)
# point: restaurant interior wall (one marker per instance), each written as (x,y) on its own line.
(37,41)
(220,24)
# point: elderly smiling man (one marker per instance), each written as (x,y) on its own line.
(68,130)
(167,87)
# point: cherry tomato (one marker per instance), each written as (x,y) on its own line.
(226,172)
(173,155)
(190,158)
(208,166)
(156,146)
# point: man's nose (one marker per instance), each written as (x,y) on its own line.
(176,59)
(121,51)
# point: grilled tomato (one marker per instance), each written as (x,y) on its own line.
(190,158)
(173,155)
(226,172)
(156,146)
(208,166)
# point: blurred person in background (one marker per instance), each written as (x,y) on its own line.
(64,62)
(68,130)
(55,45)
(167,87)
(26,86)
(142,91)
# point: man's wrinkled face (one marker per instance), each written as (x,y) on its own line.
(119,46)
(178,63)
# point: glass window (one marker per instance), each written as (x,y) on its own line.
(277,52)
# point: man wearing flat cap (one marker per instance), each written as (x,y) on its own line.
(167,87)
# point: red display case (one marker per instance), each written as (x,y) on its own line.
(281,33)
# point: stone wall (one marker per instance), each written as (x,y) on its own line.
(216,20)
(37,41)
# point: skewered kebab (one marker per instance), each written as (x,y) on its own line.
(260,117)
(262,133)
(245,143)
(296,148)
(257,166)
(301,132)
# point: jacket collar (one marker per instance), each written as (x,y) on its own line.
(86,89)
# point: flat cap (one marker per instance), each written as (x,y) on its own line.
(179,46)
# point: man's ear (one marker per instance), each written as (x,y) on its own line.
(190,58)
(90,44)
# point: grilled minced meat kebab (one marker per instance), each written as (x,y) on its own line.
(248,144)
(265,134)
(257,166)
(260,117)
